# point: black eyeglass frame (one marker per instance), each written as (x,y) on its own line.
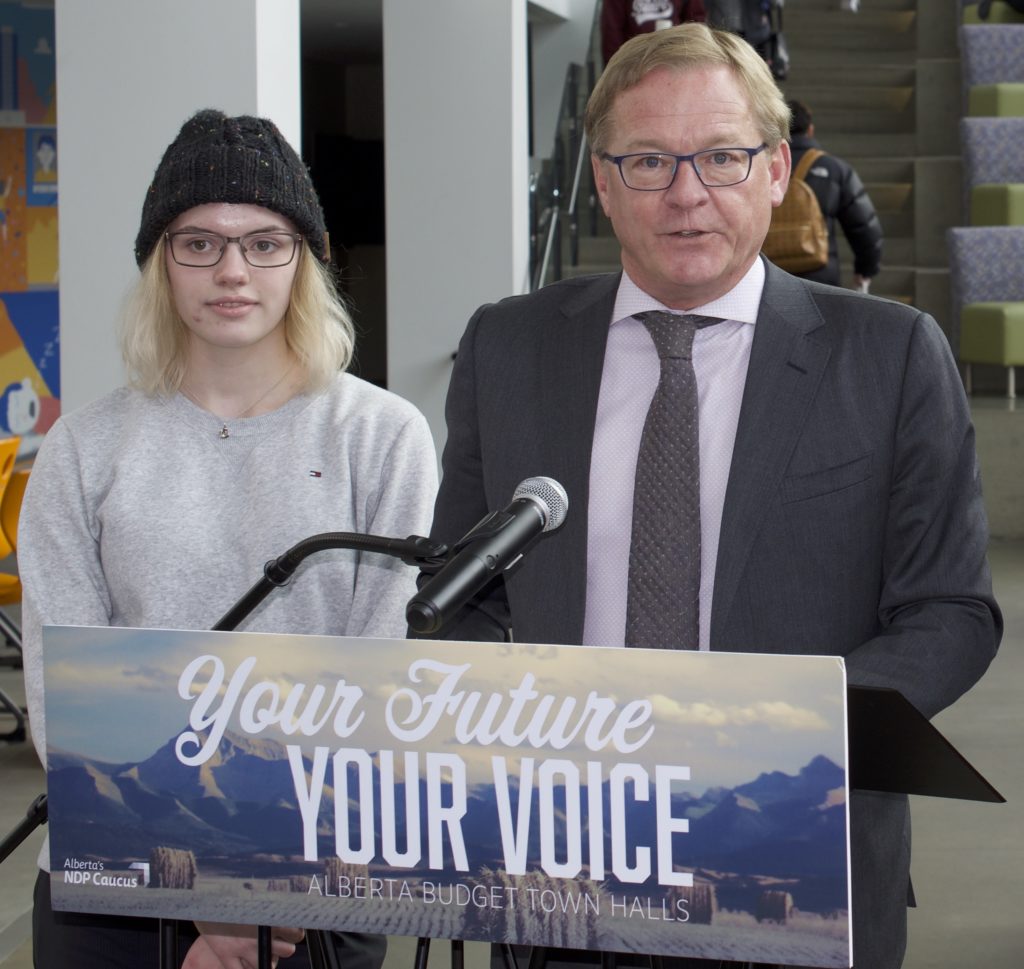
(619,159)
(296,238)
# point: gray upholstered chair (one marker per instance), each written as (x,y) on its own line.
(987,270)
(992,69)
(993,157)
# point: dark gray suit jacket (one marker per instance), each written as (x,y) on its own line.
(853,521)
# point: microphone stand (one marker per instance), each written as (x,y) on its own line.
(34,816)
(423,553)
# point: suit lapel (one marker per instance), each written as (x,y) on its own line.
(786,366)
(571,366)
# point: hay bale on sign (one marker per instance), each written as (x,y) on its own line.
(340,874)
(563,912)
(172,868)
(699,900)
(279,885)
(774,906)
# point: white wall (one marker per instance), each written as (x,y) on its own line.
(457,179)
(128,75)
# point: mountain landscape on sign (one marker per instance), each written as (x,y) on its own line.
(242,802)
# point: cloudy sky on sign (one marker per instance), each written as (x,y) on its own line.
(113,694)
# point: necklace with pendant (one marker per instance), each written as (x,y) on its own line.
(224,430)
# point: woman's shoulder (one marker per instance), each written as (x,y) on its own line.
(372,424)
(96,419)
(349,396)
(97,431)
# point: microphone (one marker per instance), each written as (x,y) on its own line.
(494,545)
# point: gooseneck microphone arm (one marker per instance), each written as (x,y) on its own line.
(424,553)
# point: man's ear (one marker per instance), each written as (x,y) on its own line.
(600,182)
(779,170)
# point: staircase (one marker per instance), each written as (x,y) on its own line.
(884,87)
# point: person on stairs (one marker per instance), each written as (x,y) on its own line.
(843,200)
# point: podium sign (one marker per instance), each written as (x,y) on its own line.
(646,801)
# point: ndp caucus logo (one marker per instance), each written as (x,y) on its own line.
(76,872)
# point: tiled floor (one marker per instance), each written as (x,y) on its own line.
(968,857)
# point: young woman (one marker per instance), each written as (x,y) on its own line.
(240,434)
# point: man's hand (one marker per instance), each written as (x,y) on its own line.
(224,946)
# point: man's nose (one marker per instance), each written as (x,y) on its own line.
(686,187)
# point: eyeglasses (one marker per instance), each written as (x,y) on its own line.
(264,250)
(654,171)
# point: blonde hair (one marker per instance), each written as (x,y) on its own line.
(681,48)
(154,340)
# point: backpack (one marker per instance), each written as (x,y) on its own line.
(797,239)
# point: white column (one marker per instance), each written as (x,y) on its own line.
(128,75)
(457,177)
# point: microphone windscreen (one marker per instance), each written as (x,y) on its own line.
(550,495)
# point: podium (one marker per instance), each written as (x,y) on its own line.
(398,792)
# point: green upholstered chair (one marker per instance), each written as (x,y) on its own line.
(999,13)
(994,333)
(997,204)
(1005,100)
(993,157)
(992,69)
(988,297)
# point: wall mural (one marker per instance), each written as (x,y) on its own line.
(29,166)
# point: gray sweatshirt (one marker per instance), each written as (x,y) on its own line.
(139,514)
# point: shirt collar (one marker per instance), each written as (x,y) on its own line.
(741,303)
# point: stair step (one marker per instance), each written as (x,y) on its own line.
(819,97)
(867,121)
(854,44)
(874,170)
(842,17)
(859,144)
(896,251)
(897,223)
(587,268)
(599,249)
(811,72)
(881,25)
(824,57)
(891,196)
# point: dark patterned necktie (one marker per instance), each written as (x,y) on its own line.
(663,603)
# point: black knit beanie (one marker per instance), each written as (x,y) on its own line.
(242,160)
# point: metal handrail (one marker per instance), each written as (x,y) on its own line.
(548,221)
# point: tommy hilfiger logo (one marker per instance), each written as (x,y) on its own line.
(316,474)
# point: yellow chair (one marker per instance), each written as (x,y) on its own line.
(10,584)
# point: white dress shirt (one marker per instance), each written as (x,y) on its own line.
(721,354)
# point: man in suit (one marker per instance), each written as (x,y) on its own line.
(839,501)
